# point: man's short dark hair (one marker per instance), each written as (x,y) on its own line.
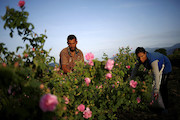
(70,37)
(140,49)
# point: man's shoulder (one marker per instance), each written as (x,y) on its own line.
(64,50)
(80,51)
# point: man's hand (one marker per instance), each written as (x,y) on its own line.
(156,95)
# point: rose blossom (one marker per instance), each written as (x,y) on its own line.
(41,86)
(133,83)
(25,55)
(66,99)
(133,90)
(108,75)
(81,107)
(4,64)
(128,66)
(19,56)
(9,90)
(100,86)
(33,49)
(87,80)
(109,64)
(91,63)
(21,3)
(87,113)
(64,108)
(89,56)
(138,100)
(76,112)
(151,102)
(16,64)
(48,102)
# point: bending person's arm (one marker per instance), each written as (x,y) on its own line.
(134,71)
(156,73)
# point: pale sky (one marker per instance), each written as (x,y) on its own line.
(99,25)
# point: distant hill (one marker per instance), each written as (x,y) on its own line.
(169,50)
(53,64)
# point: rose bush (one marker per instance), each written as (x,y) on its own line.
(29,85)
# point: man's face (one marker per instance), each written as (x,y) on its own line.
(72,44)
(142,56)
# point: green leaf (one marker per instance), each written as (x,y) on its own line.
(18,48)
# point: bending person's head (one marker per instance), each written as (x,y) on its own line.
(141,54)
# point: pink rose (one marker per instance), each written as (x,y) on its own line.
(66,99)
(16,64)
(64,108)
(133,90)
(128,67)
(87,113)
(9,90)
(48,102)
(91,63)
(41,86)
(100,86)
(4,64)
(33,49)
(19,56)
(89,56)
(81,107)
(108,75)
(151,102)
(76,112)
(138,100)
(21,3)
(55,68)
(109,64)
(87,80)
(133,83)
(25,55)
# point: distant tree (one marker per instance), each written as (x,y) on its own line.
(176,51)
(162,51)
(175,57)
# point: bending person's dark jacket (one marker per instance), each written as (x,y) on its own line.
(155,62)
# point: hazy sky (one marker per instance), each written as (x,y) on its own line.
(99,25)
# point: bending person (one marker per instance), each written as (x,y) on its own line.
(155,61)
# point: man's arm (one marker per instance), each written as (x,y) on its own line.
(62,62)
(65,69)
(156,74)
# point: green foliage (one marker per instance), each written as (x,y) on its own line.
(175,57)
(25,79)
(105,97)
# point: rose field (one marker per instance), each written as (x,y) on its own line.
(31,89)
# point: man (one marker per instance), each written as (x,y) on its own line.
(160,64)
(70,54)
